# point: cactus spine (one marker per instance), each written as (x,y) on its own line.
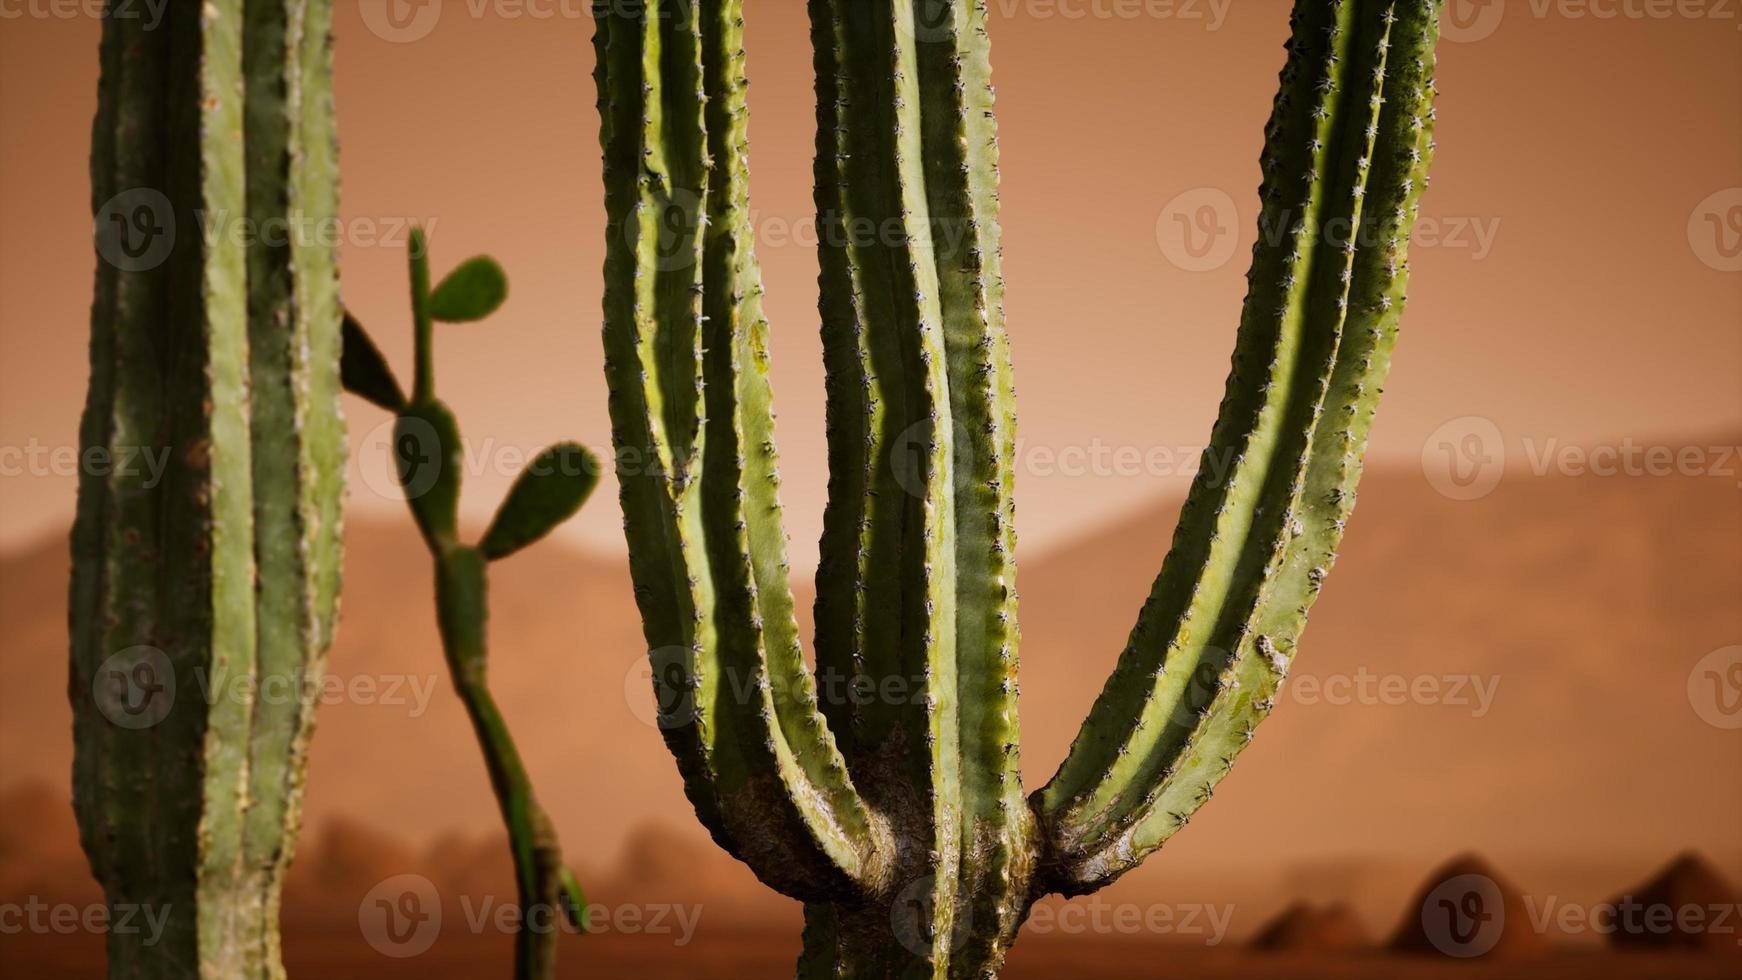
(204,596)
(884,790)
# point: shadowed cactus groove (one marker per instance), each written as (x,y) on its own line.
(884,789)
(206,549)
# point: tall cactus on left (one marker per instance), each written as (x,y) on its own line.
(205,580)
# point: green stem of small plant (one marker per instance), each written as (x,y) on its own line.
(545,885)
(423,381)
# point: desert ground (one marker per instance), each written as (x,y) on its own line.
(749,955)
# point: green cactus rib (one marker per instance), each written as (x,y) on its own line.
(885,790)
(193,592)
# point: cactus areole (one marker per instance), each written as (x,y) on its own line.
(899,818)
(204,597)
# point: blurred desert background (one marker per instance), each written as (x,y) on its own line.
(1530,653)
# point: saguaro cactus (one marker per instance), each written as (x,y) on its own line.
(891,803)
(206,546)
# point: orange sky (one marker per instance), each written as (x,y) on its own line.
(1566,293)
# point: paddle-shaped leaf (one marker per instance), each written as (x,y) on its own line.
(471,292)
(549,491)
(365,372)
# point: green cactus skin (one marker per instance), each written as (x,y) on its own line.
(553,487)
(884,791)
(225,357)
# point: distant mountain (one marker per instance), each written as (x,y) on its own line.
(1307,928)
(1499,674)
(1687,905)
(1467,910)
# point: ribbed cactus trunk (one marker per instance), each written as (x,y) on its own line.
(204,592)
(884,789)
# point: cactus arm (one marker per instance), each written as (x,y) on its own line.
(909,730)
(1157,670)
(961,151)
(743,456)
(1377,295)
(1252,593)
(879,434)
(853,420)
(299,441)
(704,622)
